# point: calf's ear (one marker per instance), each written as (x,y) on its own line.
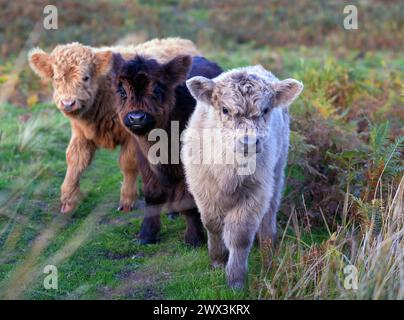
(117,63)
(103,62)
(286,91)
(40,62)
(175,71)
(201,88)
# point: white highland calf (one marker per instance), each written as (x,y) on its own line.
(235,207)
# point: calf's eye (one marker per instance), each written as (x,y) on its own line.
(225,110)
(86,78)
(266,110)
(158,93)
(121,91)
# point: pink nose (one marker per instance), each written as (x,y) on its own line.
(68,103)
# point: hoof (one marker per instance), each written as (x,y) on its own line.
(144,242)
(236,285)
(66,207)
(218,264)
(194,240)
(124,208)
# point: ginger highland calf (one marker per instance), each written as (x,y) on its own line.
(82,90)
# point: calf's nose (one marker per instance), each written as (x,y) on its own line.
(249,144)
(68,103)
(135,118)
(249,140)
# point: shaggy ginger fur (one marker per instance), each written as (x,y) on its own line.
(235,207)
(82,89)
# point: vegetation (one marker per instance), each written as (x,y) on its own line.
(343,204)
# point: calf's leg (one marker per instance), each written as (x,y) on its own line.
(194,234)
(128,164)
(151,225)
(79,154)
(267,237)
(240,228)
(218,252)
(267,230)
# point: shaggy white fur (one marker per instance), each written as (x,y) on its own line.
(235,207)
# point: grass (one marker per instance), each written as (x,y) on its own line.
(94,248)
(343,202)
